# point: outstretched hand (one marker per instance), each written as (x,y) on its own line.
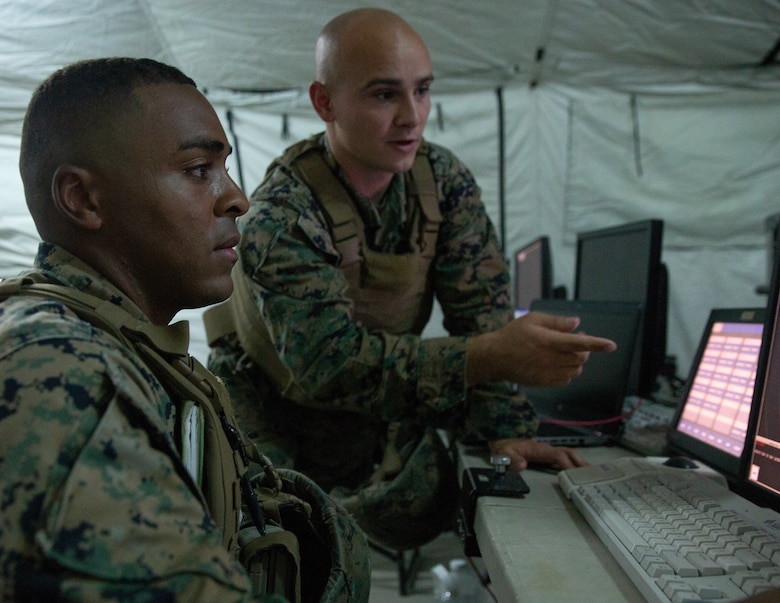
(523,452)
(537,349)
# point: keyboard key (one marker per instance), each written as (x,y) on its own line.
(705,565)
(752,559)
(678,590)
(709,592)
(622,530)
(656,566)
(771,575)
(771,550)
(751,583)
(731,564)
(680,565)
(740,526)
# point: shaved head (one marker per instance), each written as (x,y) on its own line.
(349,36)
(373,75)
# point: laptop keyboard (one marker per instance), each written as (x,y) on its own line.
(680,535)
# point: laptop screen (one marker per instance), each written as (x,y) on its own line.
(600,391)
(712,419)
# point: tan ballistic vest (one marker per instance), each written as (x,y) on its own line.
(164,350)
(390,292)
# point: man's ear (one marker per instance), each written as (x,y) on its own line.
(320,100)
(73,197)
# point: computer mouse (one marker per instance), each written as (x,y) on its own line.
(681,462)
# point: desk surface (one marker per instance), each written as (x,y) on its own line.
(539,548)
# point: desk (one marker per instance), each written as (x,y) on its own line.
(539,548)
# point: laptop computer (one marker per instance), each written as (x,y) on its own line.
(588,411)
(712,417)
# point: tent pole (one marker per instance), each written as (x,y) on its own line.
(771,56)
(501,165)
(236,149)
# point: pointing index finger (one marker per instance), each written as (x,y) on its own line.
(589,343)
(580,342)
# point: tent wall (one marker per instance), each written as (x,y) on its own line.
(709,169)
(704,160)
(711,173)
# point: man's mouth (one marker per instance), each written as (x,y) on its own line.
(405,145)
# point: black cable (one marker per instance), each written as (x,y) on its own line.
(248,492)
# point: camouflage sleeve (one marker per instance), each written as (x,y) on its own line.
(472,286)
(300,293)
(96,505)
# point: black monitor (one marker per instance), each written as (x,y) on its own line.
(762,462)
(773,234)
(533,273)
(623,263)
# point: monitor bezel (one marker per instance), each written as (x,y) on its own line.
(651,342)
(681,443)
(751,490)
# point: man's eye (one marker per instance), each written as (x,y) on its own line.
(199,171)
(384,95)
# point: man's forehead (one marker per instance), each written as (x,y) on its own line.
(163,95)
(180,118)
(177,102)
(391,69)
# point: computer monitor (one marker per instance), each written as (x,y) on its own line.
(623,263)
(773,246)
(762,461)
(533,273)
(712,419)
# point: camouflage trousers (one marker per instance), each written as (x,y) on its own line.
(398,481)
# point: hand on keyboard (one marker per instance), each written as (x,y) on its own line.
(524,451)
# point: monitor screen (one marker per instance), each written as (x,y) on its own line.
(623,263)
(533,274)
(762,481)
(712,420)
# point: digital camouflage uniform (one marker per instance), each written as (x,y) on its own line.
(357,376)
(96,503)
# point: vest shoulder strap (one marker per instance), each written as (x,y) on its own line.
(344,219)
(421,183)
(181,375)
(336,202)
(239,315)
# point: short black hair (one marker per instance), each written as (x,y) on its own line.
(75,100)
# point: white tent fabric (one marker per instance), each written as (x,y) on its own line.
(609,111)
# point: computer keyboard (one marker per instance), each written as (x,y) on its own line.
(645,429)
(680,534)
